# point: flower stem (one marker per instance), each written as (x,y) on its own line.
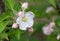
(27,35)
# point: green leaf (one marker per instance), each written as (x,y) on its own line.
(17,6)
(3,25)
(9,3)
(5,16)
(4,35)
(18,34)
(14,34)
(14,39)
(34,39)
(23,38)
(51,37)
(57,22)
(53,2)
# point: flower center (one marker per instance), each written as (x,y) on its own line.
(24,19)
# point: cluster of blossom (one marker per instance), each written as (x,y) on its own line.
(47,30)
(25,20)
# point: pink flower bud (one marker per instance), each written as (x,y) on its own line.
(31,29)
(19,13)
(15,25)
(52,24)
(25,5)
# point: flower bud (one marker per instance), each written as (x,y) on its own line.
(19,13)
(31,29)
(52,24)
(49,9)
(25,5)
(15,25)
(58,36)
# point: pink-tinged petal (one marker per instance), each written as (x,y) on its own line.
(25,5)
(15,25)
(47,30)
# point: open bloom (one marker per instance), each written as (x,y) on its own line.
(25,5)
(47,30)
(25,20)
(49,9)
(15,25)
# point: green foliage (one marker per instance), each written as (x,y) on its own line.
(3,25)
(4,36)
(51,38)
(14,34)
(9,3)
(4,16)
(57,22)
(53,2)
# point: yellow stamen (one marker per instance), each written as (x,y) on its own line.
(24,19)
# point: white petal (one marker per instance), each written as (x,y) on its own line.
(23,25)
(30,14)
(17,21)
(30,23)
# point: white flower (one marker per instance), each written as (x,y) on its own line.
(58,36)
(47,30)
(50,9)
(25,20)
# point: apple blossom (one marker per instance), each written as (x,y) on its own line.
(26,20)
(47,30)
